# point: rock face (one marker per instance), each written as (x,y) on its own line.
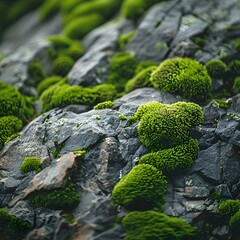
(168,29)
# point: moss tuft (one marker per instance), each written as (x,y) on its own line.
(183,76)
(150,225)
(142,188)
(234,222)
(9,125)
(103,105)
(179,158)
(125,38)
(142,79)
(229,207)
(62,65)
(122,117)
(216,68)
(47,82)
(57,199)
(234,68)
(143,65)
(36,72)
(236,85)
(30,164)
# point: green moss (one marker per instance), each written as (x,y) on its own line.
(60,42)
(222,104)
(87,23)
(9,125)
(75,51)
(236,85)
(47,82)
(122,68)
(30,164)
(150,225)
(68,6)
(63,95)
(229,207)
(125,38)
(69,218)
(36,72)
(80,151)
(57,199)
(167,125)
(12,103)
(143,65)
(122,117)
(179,158)
(237,44)
(142,79)
(183,76)
(62,65)
(216,68)
(15,135)
(142,188)
(12,227)
(234,68)
(103,105)
(49,9)
(234,222)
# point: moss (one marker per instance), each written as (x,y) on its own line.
(75,51)
(10,138)
(143,65)
(142,188)
(183,76)
(87,23)
(122,68)
(49,9)
(57,199)
(229,207)
(179,158)
(222,104)
(150,225)
(167,125)
(60,42)
(69,218)
(80,151)
(125,38)
(236,85)
(12,103)
(103,105)
(62,65)
(234,68)
(237,44)
(47,82)
(36,72)
(234,222)
(122,117)
(58,147)
(9,125)
(12,227)
(140,80)
(62,95)
(68,6)
(30,164)
(216,68)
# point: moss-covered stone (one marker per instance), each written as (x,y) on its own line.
(11,227)
(103,105)
(58,199)
(9,125)
(216,68)
(150,225)
(179,158)
(30,164)
(142,188)
(183,76)
(122,68)
(141,80)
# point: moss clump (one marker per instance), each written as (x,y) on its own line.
(15,135)
(125,38)
(179,158)
(11,227)
(36,72)
(47,82)
(183,76)
(142,188)
(103,105)
(151,225)
(12,103)
(58,199)
(30,164)
(234,68)
(49,9)
(122,68)
(229,207)
(165,126)
(78,28)
(122,117)
(62,65)
(62,95)
(236,85)
(234,222)
(143,65)
(141,80)
(216,68)
(9,125)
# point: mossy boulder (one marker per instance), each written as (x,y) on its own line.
(150,225)
(141,189)
(177,159)
(183,76)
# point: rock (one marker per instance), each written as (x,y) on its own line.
(196,192)
(221,232)
(54,176)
